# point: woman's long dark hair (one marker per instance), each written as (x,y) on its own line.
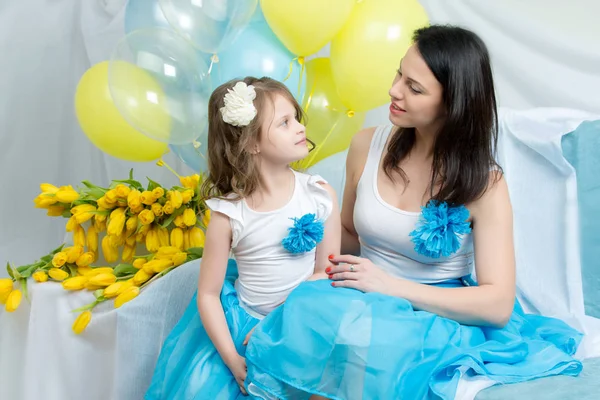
(464,149)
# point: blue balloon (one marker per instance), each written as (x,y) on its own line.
(193,154)
(258,52)
(141,14)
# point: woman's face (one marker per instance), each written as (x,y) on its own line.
(416,94)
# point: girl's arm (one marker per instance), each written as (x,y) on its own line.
(210,283)
(331,237)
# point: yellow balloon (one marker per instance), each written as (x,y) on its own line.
(328,123)
(103,124)
(367,51)
(305,26)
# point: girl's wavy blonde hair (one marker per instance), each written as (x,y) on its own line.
(232,169)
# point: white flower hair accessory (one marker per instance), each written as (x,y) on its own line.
(239,109)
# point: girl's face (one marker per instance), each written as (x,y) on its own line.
(282,138)
(416,94)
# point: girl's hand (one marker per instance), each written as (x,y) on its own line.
(359,273)
(317,276)
(238,368)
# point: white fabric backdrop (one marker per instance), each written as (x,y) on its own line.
(545,53)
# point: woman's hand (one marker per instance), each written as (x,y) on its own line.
(237,366)
(359,273)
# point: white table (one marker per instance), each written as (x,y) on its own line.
(114,358)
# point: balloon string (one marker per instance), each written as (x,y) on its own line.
(302,69)
(161,163)
(314,153)
(300,60)
(213,60)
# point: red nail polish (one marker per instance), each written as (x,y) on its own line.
(331,256)
(330,276)
(327,270)
(332,283)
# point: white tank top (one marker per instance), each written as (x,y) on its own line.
(383,230)
(267,271)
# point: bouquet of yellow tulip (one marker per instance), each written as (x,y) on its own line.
(128,215)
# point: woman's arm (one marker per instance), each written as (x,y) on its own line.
(210,283)
(331,237)
(489,303)
(355,164)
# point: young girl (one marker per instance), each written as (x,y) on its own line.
(280,224)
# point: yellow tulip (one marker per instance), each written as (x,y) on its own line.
(48,188)
(128,253)
(189,217)
(13,300)
(130,240)
(113,290)
(6,284)
(146,217)
(179,221)
(161,265)
(91,287)
(152,241)
(206,218)
(177,238)
(116,222)
(157,209)
(66,194)
(197,237)
(111,196)
(167,250)
(58,274)
(147,198)
(190,182)
(186,239)
(40,276)
(168,208)
(133,199)
(158,192)
(92,239)
(163,236)
(126,285)
(73,253)
(60,259)
(84,271)
(105,204)
(122,191)
(132,224)
(103,280)
(141,276)
(43,201)
(139,263)
(71,224)
(111,253)
(83,213)
(85,259)
(79,236)
(55,211)
(187,196)
(116,241)
(100,270)
(127,295)
(75,283)
(175,197)
(148,268)
(81,322)
(179,258)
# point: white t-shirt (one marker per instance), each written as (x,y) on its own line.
(267,271)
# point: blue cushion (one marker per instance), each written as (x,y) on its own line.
(582,149)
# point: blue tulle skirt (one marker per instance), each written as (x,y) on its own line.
(345,344)
(189,366)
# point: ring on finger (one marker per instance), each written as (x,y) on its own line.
(351,268)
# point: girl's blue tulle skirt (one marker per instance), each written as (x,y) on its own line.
(189,366)
(345,344)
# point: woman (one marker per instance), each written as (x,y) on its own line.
(426,206)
